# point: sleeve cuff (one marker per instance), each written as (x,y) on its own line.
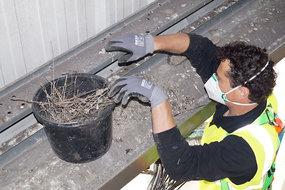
(193,38)
(168,138)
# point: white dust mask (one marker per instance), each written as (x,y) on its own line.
(215,93)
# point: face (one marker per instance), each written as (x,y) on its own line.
(224,81)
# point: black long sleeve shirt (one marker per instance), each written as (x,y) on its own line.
(232,157)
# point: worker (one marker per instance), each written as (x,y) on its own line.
(239,144)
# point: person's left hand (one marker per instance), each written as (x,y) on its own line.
(131,86)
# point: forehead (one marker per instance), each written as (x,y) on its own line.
(223,68)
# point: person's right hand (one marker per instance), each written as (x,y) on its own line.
(130,86)
(135,45)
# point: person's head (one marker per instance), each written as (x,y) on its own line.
(240,62)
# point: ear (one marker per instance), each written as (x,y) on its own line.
(244,92)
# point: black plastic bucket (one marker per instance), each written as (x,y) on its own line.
(77,142)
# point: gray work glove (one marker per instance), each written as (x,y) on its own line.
(131,86)
(136,46)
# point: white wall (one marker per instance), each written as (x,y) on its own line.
(31,29)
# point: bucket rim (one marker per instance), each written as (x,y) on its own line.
(75,124)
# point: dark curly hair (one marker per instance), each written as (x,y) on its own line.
(246,61)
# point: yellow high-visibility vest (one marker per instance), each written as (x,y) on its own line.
(263,140)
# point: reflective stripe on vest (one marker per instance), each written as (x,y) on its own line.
(263,137)
(264,156)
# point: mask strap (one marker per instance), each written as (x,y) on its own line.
(233,89)
(224,97)
(241,104)
(254,76)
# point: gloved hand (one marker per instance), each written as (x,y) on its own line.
(131,86)
(136,46)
